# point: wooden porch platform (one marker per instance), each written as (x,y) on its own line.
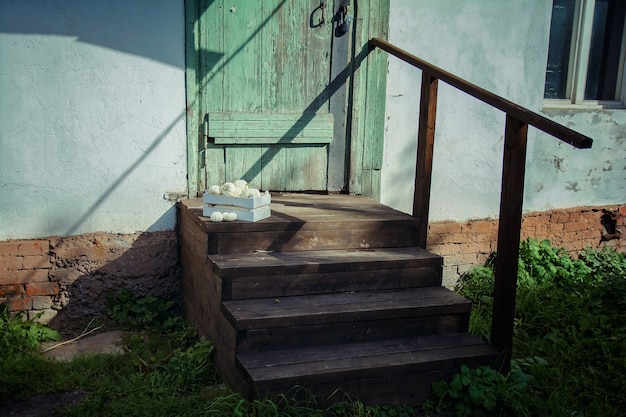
(328,293)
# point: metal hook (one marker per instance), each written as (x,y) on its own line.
(322,20)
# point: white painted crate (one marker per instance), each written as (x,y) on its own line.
(247,209)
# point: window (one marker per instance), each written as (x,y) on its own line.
(586,54)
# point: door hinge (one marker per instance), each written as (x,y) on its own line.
(204,137)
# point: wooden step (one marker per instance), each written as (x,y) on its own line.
(386,371)
(289,322)
(308,222)
(280,274)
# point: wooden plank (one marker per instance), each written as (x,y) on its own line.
(214,58)
(242,31)
(270,138)
(310,240)
(274,162)
(369,366)
(509,230)
(425,148)
(312,212)
(224,126)
(323,261)
(376,89)
(293,337)
(194,107)
(345,351)
(244,163)
(260,286)
(342,307)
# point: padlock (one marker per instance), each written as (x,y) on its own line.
(344,27)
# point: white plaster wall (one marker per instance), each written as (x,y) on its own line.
(92,116)
(561,176)
(500,45)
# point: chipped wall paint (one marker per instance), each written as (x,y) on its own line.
(92,116)
(563,177)
(501,46)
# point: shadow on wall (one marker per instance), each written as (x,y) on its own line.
(87,267)
(116,24)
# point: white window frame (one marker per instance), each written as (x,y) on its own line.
(579,60)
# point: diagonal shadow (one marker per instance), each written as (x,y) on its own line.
(305,118)
(105,195)
(213,57)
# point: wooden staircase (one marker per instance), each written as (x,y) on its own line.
(329,293)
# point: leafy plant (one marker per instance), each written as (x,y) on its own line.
(392,411)
(472,392)
(570,314)
(19,335)
(141,313)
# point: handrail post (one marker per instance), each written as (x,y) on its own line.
(509,230)
(424,163)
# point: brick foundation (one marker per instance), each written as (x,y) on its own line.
(464,245)
(74,273)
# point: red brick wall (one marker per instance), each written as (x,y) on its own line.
(467,244)
(24,276)
(74,273)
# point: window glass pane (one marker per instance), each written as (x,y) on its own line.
(606,46)
(561,29)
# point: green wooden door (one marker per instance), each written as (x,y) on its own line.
(268,85)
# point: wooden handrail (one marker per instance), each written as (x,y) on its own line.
(518,119)
(520,113)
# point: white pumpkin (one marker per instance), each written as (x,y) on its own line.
(242,185)
(253,193)
(215,190)
(231,190)
(217,216)
(230,216)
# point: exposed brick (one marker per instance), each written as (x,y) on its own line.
(36,262)
(453,238)
(464,259)
(9,248)
(575,226)
(533,220)
(42,303)
(19,304)
(42,288)
(484,226)
(11,290)
(483,237)
(564,217)
(444,250)
(483,248)
(24,277)
(34,247)
(10,263)
(528,232)
(444,228)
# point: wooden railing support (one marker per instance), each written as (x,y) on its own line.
(424,163)
(509,229)
(515,137)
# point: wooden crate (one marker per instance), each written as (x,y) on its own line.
(247,209)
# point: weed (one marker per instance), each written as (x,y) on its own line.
(142,313)
(570,326)
(19,335)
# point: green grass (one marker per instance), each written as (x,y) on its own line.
(165,371)
(570,330)
(569,355)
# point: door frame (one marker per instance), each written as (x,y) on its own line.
(366,80)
